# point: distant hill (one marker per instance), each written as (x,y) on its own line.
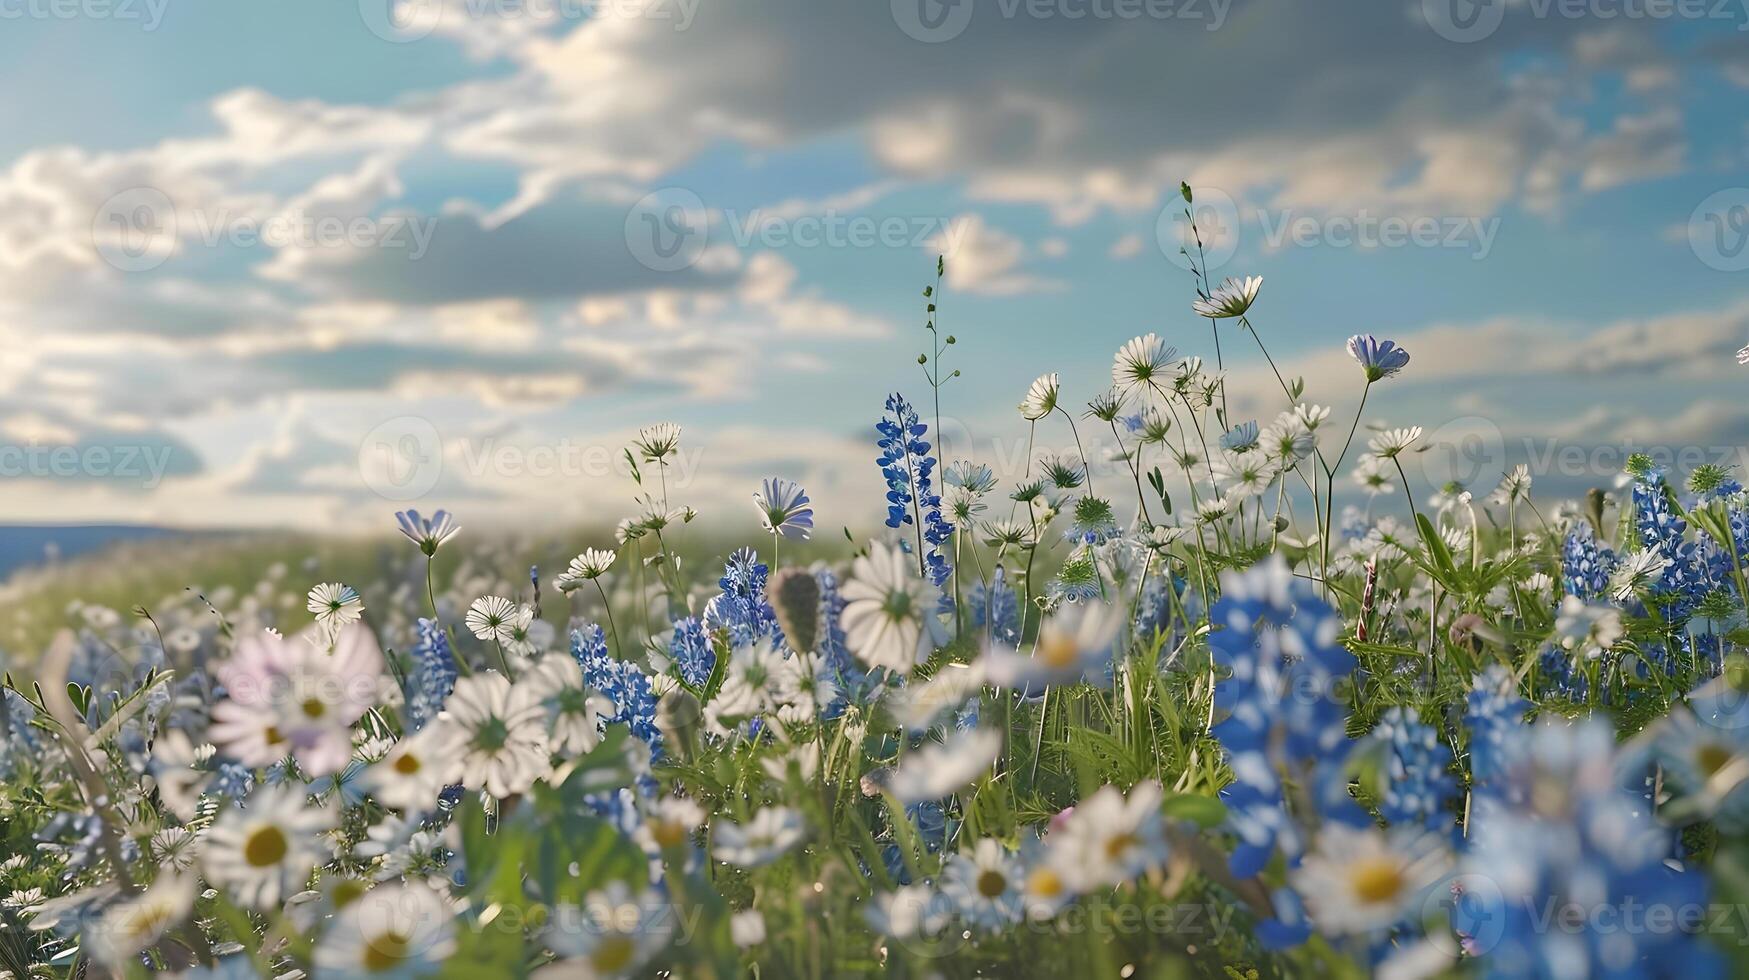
(26,545)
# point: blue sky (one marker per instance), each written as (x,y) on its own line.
(484,327)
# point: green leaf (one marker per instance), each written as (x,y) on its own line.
(1204,811)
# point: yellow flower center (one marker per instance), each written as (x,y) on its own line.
(265,847)
(1118,844)
(613,954)
(1045,883)
(667,833)
(385,951)
(1057,650)
(992,884)
(1376,879)
(407,764)
(313,708)
(1711,757)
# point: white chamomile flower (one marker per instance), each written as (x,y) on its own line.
(747,929)
(610,935)
(941,769)
(1634,572)
(498,740)
(767,836)
(137,921)
(1359,880)
(984,885)
(586,567)
(1373,474)
(414,771)
(668,824)
(1230,299)
(263,849)
(1586,630)
(572,713)
(1110,838)
(1392,442)
(490,618)
(1041,398)
(176,848)
(397,930)
(751,683)
(335,606)
(1141,363)
(889,613)
(1515,485)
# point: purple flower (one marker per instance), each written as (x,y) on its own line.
(1379,358)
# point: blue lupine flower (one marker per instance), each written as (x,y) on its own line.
(621,682)
(1576,843)
(1684,579)
(906,464)
(1418,789)
(1586,564)
(741,608)
(1495,717)
(996,609)
(691,650)
(433,675)
(1276,639)
(1378,358)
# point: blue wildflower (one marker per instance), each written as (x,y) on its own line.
(433,675)
(1418,790)
(907,465)
(741,608)
(621,682)
(996,609)
(1380,359)
(1586,564)
(691,650)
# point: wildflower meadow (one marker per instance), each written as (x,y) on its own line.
(1265,705)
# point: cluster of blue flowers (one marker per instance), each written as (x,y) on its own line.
(906,464)
(621,682)
(996,610)
(1685,578)
(433,674)
(741,608)
(691,650)
(1276,639)
(1419,788)
(1586,563)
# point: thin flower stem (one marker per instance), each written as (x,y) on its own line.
(618,649)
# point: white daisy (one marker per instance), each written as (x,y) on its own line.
(1515,485)
(657,442)
(1634,572)
(747,929)
(136,921)
(500,742)
(937,770)
(335,605)
(769,835)
(588,566)
(1288,440)
(751,682)
(1110,839)
(399,930)
(1372,474)
(669,824)
(610,935)
(1041,398)
(889,611)
(264,849)
(490,616)
(1243,475)
(1141,363)
(1359,880)
(1392,442)
(806,686)
(1230,299)
(291,697)
(1074,644)
(572,714)
(1585,630)
(415,771)
(176,848)
(984,885)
